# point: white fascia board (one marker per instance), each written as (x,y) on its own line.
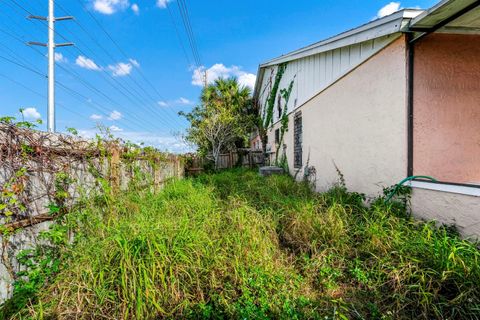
(388,25)
(442,10)
(258,81)
(451,188)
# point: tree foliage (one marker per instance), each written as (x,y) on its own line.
(223,119)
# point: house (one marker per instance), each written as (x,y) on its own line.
(395,98)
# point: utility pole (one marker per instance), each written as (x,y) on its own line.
(51,45)
(205,78)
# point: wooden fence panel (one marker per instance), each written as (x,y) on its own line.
(243,158)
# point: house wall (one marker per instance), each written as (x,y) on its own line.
(447,108)
(358,124)
(463,211)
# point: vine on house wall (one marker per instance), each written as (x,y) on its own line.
(285,94)
(270,104)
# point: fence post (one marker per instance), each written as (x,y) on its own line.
(115,168)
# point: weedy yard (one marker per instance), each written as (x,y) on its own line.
(235,245)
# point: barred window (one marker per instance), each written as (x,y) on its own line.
(297,140)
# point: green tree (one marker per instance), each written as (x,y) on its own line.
(222,119)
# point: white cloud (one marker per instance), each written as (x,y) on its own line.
(219,70)
(134,63)
(86,63)
(388,9)
(31,113)
(96,117)
(135,8)
(175,103)
(59,57)
(110,6)
(120,69)
(247,80)
(163,3)
(115,129)
(115,115)
(184,101)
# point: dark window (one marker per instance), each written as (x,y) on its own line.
(297,140)
(277,136)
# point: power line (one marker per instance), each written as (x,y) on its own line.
(72,92)
(175,119)
(23,66)
(183,9)
(178,35)
(83,53)
(38,93)
(115,80)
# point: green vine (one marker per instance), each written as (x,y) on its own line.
(270,104)
(285,94)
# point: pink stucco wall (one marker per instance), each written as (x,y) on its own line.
(447,108)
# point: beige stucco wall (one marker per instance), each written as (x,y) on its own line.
(447,108)
(359,124)
(463,211)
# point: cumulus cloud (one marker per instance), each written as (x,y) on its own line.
(388,9)
(135,8)
(84,62)
(122,69)
(162,104)
(163,3)
(59,57)
(31,113)
(115,115)
(96,117)
(115,129)
(110,6)
(219,70)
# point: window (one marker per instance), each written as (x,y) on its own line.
(277,136)
(297,140)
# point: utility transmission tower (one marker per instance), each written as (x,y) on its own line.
(51,45)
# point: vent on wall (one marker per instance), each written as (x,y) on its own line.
(297,140)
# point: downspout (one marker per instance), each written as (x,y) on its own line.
(410,74)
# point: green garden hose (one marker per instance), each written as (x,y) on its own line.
(398,185)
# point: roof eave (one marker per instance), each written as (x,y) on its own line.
(387,25)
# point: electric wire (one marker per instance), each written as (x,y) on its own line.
(83,53)
(119,48)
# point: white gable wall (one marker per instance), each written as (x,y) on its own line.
(312,74)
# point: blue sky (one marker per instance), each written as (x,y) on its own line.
(137,84)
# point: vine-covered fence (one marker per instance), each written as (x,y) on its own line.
(43,175)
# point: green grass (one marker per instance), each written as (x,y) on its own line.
(235,245)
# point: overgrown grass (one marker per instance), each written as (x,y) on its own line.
(235,245)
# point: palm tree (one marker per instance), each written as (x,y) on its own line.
(222,118)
